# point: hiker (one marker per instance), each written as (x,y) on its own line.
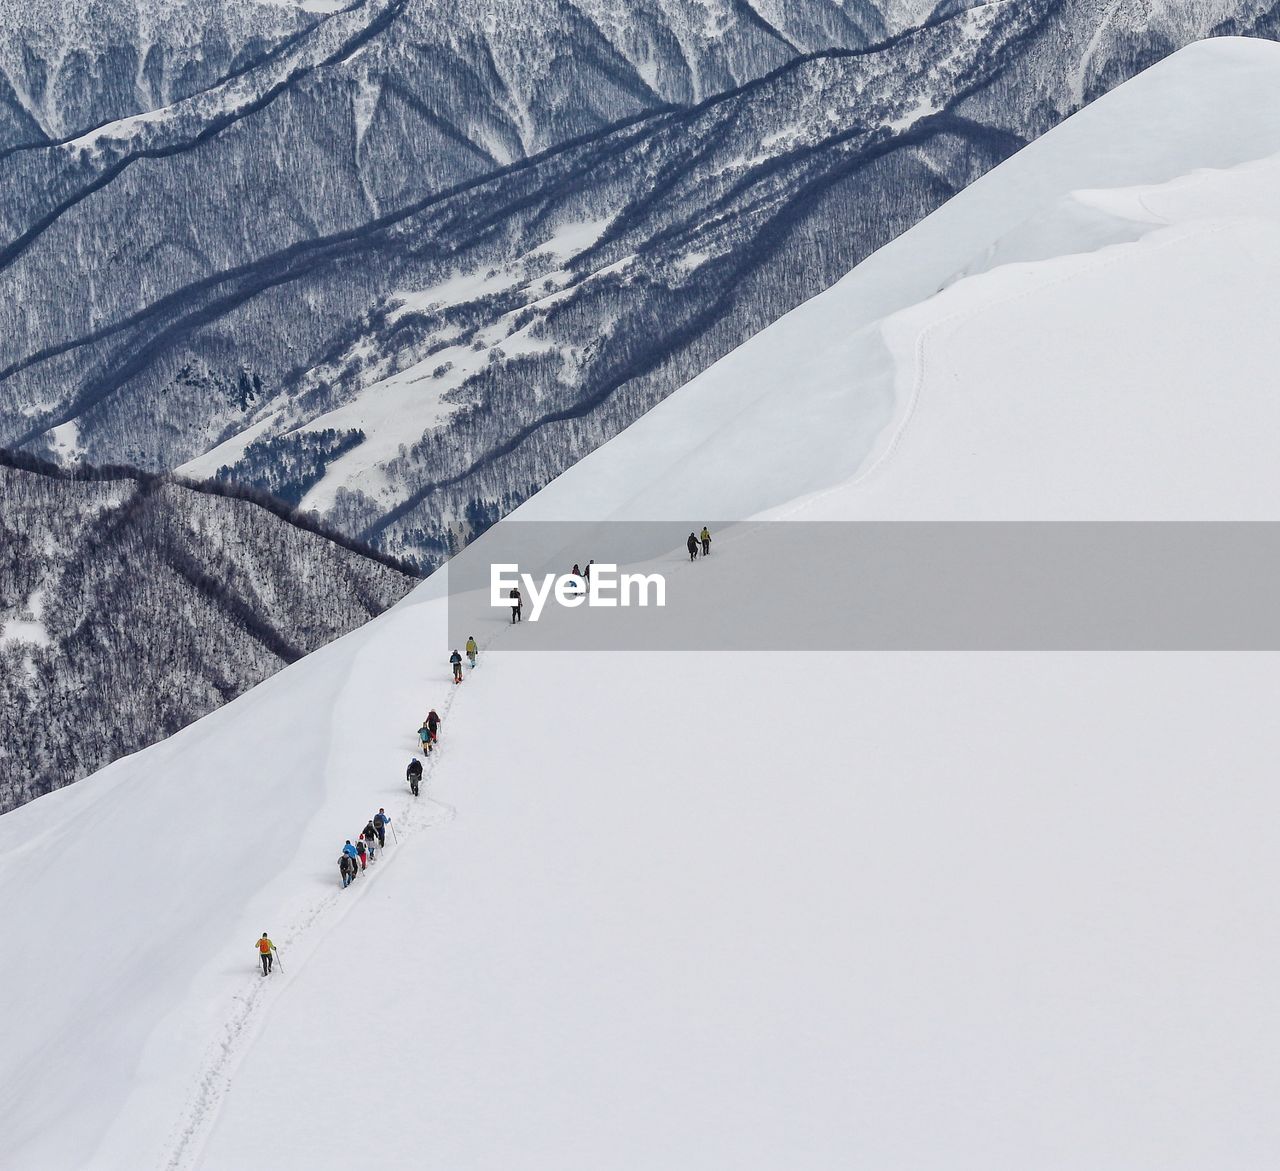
(265,948)
(414,772)
(362,854)
(692,545)
(705,538)
(380,823)
(586,573)
(347,869)
(433,725)
(352,854)
(517,600)
(472,650)
(369,834)
(456,660)
(424,738)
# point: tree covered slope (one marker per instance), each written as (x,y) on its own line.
(131,606)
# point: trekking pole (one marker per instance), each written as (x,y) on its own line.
(395,837)
(278,959)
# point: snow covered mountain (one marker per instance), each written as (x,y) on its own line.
(131,605)
(404,262)
(743,909)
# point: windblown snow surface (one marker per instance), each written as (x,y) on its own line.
(750,910)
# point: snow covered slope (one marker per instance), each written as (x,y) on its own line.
(749,910)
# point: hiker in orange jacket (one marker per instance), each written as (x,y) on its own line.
(265,948)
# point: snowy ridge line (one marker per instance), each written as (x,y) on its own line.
(191,1132)
(1098,261)
(1081,264)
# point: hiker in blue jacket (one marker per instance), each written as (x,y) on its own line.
(380,823)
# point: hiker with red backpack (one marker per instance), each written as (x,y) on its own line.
(265,948)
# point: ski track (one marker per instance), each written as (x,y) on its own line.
(190,1135)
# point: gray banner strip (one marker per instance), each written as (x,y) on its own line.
(1066,586)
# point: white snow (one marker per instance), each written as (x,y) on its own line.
(922,109)
(457,290)
(396,410)
(571,238)
(749,910)
(692,261)
(228,451)
(26,630)
(365,96)
(65,440)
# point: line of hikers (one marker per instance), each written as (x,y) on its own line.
(371,839)
(517,609)
(356,857)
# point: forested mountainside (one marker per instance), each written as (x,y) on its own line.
(132,605)
(405,262)
(65,68)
